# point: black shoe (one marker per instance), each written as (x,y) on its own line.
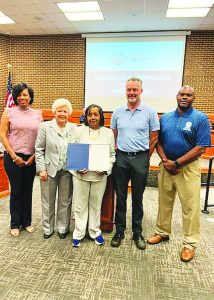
(139,241)
(47,236)
(117,239)
(62,235)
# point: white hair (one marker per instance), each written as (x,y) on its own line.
(62,102)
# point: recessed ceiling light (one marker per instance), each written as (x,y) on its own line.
(190,3)
(79,6)
(4,19)
(82,11)
(187,12)
(85,16)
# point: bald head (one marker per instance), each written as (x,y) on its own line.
(185,98)
(188,89)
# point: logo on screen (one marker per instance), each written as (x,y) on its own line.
(118,58)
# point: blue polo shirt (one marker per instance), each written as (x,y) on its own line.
(180,133)
(134,127)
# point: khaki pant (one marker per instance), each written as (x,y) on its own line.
(187,184)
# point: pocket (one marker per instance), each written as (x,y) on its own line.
(47,161)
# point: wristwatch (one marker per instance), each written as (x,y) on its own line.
(177,164)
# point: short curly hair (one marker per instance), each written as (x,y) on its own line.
(62,102)
(19,88)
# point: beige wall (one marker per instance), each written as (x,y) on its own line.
(54,67)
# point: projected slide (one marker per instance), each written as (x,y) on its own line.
(157,60)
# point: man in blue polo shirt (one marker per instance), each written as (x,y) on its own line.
(184,136)
(136,133)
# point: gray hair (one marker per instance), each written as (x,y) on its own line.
(62,102)
(135,79)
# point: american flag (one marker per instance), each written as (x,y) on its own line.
(9,98)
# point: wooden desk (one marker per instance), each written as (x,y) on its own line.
(108,205)
(75,116)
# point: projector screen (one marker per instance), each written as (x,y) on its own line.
(157,60)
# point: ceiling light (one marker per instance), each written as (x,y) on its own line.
(188,12)
(85,16)
(79,6)
(190,3)
(4,19)
(81,11)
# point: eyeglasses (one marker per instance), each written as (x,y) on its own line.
(187,94)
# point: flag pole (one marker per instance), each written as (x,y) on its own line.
(9,67)
(9,98)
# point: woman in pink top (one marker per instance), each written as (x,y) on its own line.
(19,128)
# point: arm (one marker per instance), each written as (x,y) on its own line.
(31,159)
(40,153)
(112,153)
(153,139)
(3,135)
(202,141)
(168,164)
(115,132)
(192,155)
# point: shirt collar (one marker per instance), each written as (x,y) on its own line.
(55,126)
(140,107)
(186,114)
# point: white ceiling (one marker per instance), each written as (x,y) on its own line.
(39,17)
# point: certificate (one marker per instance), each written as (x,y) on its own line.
(93,157)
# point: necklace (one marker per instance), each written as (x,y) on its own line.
(93,134)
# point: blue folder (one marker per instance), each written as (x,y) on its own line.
(78,156)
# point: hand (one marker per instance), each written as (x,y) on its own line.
(170,166)
(29,161)
(83,171)
(19,162)
(43,175)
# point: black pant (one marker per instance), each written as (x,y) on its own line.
(21,182)
(134,168)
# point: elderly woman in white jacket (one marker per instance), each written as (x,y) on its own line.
(51,154)
(89,186)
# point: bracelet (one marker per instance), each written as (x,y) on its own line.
(14,160)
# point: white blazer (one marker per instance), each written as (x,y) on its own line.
(47,146)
